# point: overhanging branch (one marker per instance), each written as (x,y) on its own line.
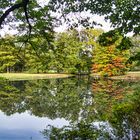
(7,12)
(23,5)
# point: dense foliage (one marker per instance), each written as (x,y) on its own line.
(123,14)
(35,23)
(70,52)
(135,52)
(112,54)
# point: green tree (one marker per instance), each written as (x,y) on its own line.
(135,52)
(8,58)
(88,37)
(35,55)
(73,50)
(66,51)
(40,20)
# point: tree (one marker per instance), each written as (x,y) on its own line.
(123,14)
(28,17)
(111,55)
(135,51)
(8,55)
(88,37)
(73,50)
(65,51)
(38,55)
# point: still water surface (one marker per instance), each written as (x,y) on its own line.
(69,108)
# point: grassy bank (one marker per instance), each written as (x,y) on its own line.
(129,75)
(24,76)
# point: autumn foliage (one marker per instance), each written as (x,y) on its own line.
(108,59)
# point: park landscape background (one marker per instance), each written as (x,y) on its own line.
(82,83)
(88,51)
(80,49)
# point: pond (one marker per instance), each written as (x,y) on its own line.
(76,108)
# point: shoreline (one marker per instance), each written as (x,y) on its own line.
(128,76)
(27,76)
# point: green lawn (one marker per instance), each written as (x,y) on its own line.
(24,76)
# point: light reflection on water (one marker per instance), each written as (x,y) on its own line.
(25,126)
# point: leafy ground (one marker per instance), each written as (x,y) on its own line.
(24,76)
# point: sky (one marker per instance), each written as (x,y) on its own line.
(106,26)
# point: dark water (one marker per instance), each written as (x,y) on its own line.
(69,109)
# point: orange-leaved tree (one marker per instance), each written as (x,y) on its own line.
(111,55)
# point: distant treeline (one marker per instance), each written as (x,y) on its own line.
(80,52)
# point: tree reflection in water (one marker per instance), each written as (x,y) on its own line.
(103,109)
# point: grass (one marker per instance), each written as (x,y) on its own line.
(25,76)
(130,75)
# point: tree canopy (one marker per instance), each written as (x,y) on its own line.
(114,49)
(70,52)
(123,14)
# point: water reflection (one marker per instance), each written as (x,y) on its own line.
(94,109)
(25,126)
